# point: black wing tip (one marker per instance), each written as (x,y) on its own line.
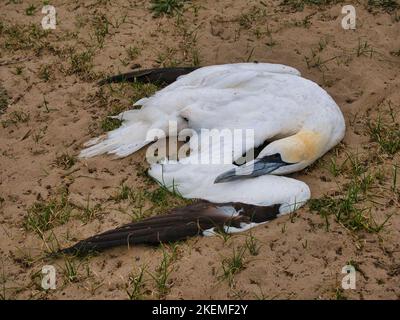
(79,249)
(125,77)
(103,82)
(156,75)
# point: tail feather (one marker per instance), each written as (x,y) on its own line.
(120,142)
(179,224)
(132,135)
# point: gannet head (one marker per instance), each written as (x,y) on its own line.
(282,156)
(297,151)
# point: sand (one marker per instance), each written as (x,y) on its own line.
(51,113)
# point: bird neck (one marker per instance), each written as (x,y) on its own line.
(306,145)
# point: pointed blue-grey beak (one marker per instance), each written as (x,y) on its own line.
(255,168)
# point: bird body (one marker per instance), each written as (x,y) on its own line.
(197,182)
(273,100)
(295,118)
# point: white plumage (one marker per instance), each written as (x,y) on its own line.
(299,117)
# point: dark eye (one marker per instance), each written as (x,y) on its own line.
(276,156)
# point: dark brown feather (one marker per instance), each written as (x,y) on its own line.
(179,224)
(162,76)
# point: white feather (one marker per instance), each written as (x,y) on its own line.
(272,99)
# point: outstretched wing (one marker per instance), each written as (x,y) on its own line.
(201,218)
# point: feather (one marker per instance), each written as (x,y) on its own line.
(272,99)
(178,224)
(160,75)
(121,141)
(292,116)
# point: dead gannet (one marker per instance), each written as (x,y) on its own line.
(298,119)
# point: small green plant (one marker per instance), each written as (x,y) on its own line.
(252,245)
(89,212)
(252,17)
(3,280)
(65,161)
(50,242)
(18,70)
(334,167)
(137,214)
(129,92)
(339,294)
(136,285)
(394,181)
(30,10)
(222,234)
(4,100)
(168,58)
(24,258)
(158,196)
(189,51)
(348,206)
(347,209)
(38,135)
(109,124)
(386,5)
(132,52)
(20,116)
(70,270)
(167,7)
(101,26)
(23,37)
(298,5)
(261,295)
(395,53)
(315,60)
(364,49)
(81,64)
(45,73)
(124,193)
(162,274)
(355,165)
(136,202)
(16,117)
(385,130)
(234,264)
(45,215)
